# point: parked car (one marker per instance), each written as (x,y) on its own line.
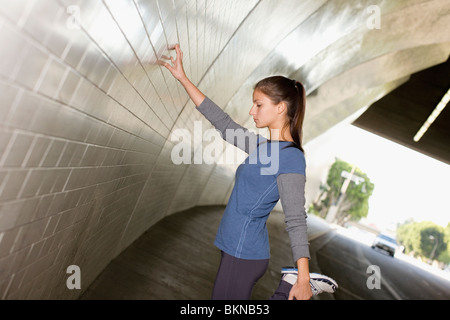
(385,243)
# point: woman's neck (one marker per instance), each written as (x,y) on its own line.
(277,134)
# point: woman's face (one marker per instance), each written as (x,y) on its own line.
(263,111)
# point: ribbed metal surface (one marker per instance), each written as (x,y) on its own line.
(87,114)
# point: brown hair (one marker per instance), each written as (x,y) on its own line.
(278,89)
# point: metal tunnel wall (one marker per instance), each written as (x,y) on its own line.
(87,115)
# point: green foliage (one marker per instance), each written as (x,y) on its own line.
(425,239)
(353,204)
(445,255)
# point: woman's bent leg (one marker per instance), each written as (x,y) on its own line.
(282,292)
(236,277)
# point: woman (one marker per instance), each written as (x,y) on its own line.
(279,105)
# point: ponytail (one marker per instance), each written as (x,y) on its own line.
(296,125)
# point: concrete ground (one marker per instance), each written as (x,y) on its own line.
(176,259)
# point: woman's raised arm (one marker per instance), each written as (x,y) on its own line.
(177,71)
(231,131)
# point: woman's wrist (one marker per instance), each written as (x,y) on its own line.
(303,271)
(184,80)
(303,278)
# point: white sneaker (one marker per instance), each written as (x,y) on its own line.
(318,282)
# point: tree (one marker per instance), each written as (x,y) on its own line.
(444,256)
(351,203)
(425,239)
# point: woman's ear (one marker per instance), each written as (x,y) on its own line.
(282,107)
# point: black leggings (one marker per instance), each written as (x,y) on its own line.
(236,278)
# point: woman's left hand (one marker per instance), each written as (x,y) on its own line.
(300,291)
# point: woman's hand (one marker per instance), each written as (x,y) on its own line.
(301,290)
(176,69)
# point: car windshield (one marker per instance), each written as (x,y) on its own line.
(385,237)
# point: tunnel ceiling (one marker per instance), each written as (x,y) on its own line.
(345,64)
(88,115)
(400,114)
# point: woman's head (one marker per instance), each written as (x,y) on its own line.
(278,98)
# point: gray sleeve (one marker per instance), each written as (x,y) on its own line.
(291,187)
(231,131)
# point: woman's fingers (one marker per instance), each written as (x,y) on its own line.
(179,54)
(175,47)
(176,65)
(169,67)
(178,51)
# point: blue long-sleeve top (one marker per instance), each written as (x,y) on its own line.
(274,170)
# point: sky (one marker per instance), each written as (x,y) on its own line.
(408,184)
